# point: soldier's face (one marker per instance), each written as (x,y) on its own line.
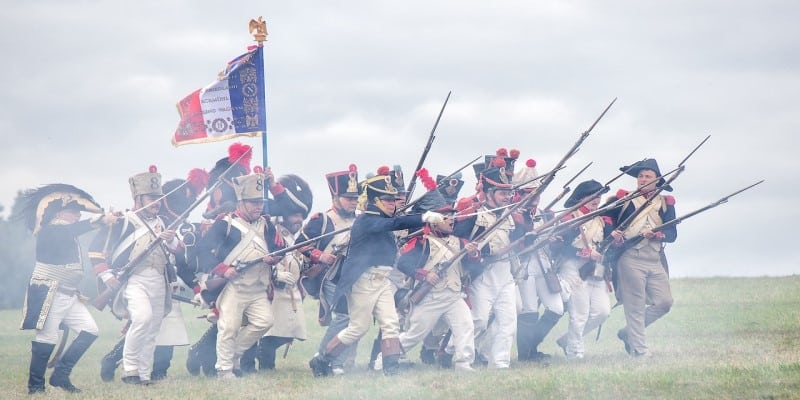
(400,201)
(387,205)
(347,204)
(250,210)
(293,222)
(151,204)
(592,205)
(70,215)
(646,180)
(499,198)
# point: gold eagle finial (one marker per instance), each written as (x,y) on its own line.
(258,28)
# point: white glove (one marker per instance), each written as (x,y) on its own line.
(285,277)
(432,217)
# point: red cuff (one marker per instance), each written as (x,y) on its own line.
(197,289)
(277,189)
(315,254)
(220,269)
(420,274)
(100,268)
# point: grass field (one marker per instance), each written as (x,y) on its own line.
(725,338)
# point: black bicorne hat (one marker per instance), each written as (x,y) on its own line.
(39,206)
(648,163)
(585,188)
(344,183)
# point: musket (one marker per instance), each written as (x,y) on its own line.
(538,178)
(126,271)
(638,238)
(438,185)
(549,178)
(566,188)
(444,180)
(424,287)
(214,285)
(552,229)
(425,151)
(622,226)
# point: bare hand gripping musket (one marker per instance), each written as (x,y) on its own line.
(424,287)
(425,151)
(622,226)
(214,285)
(634,240)
(123,274)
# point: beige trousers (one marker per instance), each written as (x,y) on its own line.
(372,295)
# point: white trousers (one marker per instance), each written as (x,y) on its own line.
(145,294)
(451,307)
(494,293)
(233,339)
(70,311)
(589,306)
(372,295)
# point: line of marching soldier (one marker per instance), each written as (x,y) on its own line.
(482,260)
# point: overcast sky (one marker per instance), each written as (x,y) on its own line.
(90,89)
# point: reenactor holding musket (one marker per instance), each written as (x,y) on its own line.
(145,296)
(364,280)
(243,236)
(493,291)
(579,261)
(53,213)
(290,207)
(643,280)
(420,259)
(326,258)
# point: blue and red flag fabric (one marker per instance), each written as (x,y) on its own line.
(233,105)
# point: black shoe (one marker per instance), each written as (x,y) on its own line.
(428,356)
(446,360)
(542,358)
(623,335)
(132,380)
(320,366)
(107,368)
(62,381)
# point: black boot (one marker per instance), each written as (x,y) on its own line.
(376,349)
(267,351)
(60,376)
(247,363)
(545,324)
(203,354)
(40,354)
(391,351)
(526,324)
(110,361)
(161,362)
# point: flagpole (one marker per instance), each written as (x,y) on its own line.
(258,28)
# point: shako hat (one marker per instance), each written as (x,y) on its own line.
(495,177)
(344,183)
(450,187)
(146,183)
(524,178)
(433,199)
(396,173)
(250,187)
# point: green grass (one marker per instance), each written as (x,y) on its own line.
(725,338)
